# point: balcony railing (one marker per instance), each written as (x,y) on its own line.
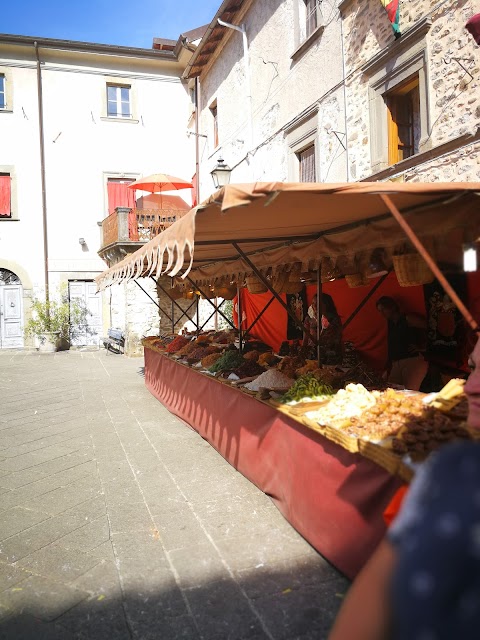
(136,225)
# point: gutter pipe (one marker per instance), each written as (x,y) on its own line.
(42,170)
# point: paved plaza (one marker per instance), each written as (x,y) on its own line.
(118,521)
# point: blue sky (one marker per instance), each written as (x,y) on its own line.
(123,22)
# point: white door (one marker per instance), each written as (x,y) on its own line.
(89,330)
(11,315)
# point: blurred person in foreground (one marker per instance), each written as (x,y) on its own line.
(423,581)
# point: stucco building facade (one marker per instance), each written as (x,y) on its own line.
(73,122)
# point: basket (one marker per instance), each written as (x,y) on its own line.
(279,280)
(227,293)
(254,285)
(295,273)
(383,456)
(357,280)
(292,287)
(412,270)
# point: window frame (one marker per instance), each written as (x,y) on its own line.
(301,134)
(300,155)
(9,170)
(6,74)
(119,102)
(3,91)
(303,36)
(213,108)
(393,99)
(385,72)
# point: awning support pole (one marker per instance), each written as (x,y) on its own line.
(185,313)
(197,323)
(173,316)
(210,302)
(319,313)
(212,314)
(240,314)
(430,261)
(247,331)
(378,284)
(267,284)
(174,302)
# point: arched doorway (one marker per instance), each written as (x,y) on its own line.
(11,310)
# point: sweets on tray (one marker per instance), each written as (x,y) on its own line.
(387,416)
(345,404)
(423,434)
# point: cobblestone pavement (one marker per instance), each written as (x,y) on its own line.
(118,521)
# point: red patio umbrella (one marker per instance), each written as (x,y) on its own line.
(158,182)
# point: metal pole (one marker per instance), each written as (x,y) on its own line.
(365,300)
(173,317)
(197,323)
(210,302)
(430,261)
(319,313)
(212,314)
(240,313)
(247,331)
(185,313)
(264,280)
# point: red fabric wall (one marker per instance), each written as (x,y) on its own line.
(368,330)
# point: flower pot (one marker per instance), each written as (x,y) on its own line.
(49,341)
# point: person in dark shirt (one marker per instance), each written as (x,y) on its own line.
(406,332)
(331,347)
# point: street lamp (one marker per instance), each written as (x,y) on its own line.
(221,174)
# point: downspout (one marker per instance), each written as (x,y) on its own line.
(347,159)
(248,79)
(42,171)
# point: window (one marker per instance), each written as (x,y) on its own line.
(403,104)
(118,101)
(214,112)
(5,196)
(312,16)
(3,99)
(306,159)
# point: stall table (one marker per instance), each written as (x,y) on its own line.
(334,498)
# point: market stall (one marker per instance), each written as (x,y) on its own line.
(329,476)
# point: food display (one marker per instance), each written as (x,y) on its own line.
(346,403)
(210,360)
(229,361)
(271,379)
(248,369)
(178,343)
(307,386)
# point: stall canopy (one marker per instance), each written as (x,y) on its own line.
(278,224)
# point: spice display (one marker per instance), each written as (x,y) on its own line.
(197,354)
(345,404)
(307,386)
(267,359)
(423,434)
(188,348)
(251,355)
(177,344)
(271,379)
(308,367)
(290,364)
(203,340)
(210,360)
(248,369)
(229,361)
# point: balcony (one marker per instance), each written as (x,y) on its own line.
(125,230)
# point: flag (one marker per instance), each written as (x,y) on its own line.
(392,7)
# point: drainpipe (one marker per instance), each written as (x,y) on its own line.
(347,159)
(42,169)
(243,31)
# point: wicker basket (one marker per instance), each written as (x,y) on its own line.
(412,270)
(279,280)
(357,280)
(295,273)
(292,287)
(254,285)
(226,292)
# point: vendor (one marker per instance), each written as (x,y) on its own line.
(331,350)
(406,335)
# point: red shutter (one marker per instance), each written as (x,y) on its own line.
(119,195)
(5,196)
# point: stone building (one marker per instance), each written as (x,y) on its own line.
(413,103)
(77,122)
(270,100)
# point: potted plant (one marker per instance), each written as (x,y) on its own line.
(54,322)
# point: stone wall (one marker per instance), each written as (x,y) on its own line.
(453,94)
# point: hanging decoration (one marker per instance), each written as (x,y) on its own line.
(392,7)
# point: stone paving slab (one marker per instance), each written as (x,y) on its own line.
(119,521)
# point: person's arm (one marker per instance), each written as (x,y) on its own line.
(366,612)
